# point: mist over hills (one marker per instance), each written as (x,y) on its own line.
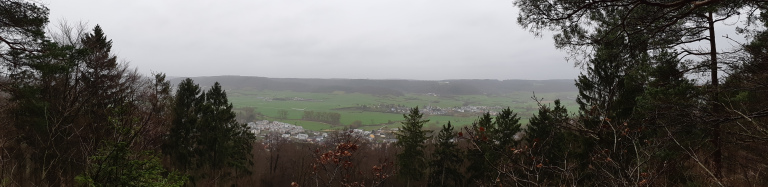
(387,86)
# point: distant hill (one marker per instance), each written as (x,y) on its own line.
(387,87)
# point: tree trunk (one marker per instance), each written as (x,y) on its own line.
(442,177)
(716,109)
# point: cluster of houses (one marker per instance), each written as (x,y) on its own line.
(478,109)
(436,110)
(297,133)
(285,99)
(274,126)
(286,130)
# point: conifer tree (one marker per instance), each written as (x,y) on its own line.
(205,139)
(411,138)
(446,160)
(607,97)
(507,125)
(580,27)
(223,142)
(549,143)
(481,154)
(180,142)
(546,123)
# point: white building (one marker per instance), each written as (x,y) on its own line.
(302,136)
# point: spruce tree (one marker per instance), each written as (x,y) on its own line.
(180,142)
(223,143)
(546,123)
(549,143)
(507,125)
(607,97)
(446,160)
(579,26)
(412,161)
(65,107)
(205,139)
(667,108)
(481,154)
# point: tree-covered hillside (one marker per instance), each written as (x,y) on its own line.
(389,87)
(658,103)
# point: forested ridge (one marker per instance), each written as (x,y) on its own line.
(653,111)
(389,87)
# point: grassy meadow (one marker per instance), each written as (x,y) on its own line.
(268,103)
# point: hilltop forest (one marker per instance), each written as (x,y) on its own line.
(660,103)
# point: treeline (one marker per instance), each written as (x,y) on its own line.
(641,121)
(72,115)
(389,87)
(325,117)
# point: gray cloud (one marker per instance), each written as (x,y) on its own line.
(405,39)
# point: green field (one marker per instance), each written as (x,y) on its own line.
(268,103)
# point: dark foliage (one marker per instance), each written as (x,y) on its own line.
(412,161)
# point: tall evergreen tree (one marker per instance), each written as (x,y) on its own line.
(224,143)
(481,154)
(180,142)
(205,139)
(66,107)
(550,144)
(671,24)
(507,126)
(446,160)
(546,122)
(411,138)
(104,87)
(615,77)
(668,110)
(69,99)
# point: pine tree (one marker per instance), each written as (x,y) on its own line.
(546,123)
(180,142)
(613,80)
(411,161)
(205,138)
(580,26)
(223,143)
(71,107)
(607,98)
(64,106)
(549,143)
(446,160)
(507,126)
(481,154)
(23,32)
(101,84)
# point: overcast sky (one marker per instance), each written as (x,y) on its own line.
(368,39)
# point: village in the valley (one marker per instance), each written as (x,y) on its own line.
(298,133)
